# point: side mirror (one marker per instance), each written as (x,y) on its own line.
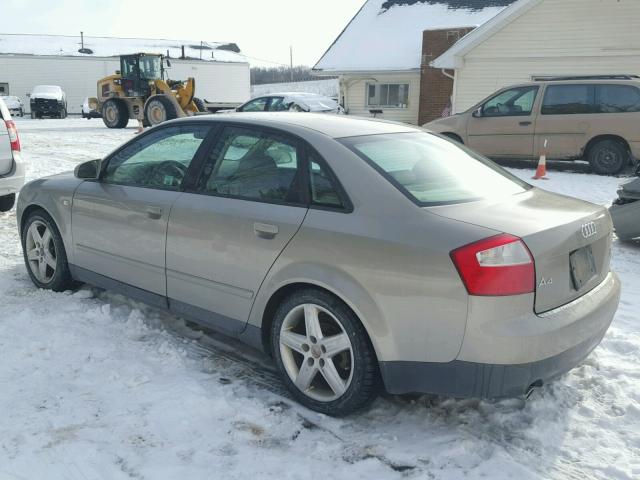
(118,72)
(28,95)
(88,170)
(477,113)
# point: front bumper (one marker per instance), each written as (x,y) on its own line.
(571,332)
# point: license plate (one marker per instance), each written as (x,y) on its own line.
(583,266)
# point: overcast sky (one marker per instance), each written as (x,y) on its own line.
(263,29)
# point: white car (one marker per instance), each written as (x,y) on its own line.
(14,104)
(11,164)
(290,101)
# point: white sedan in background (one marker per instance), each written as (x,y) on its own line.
(290,101)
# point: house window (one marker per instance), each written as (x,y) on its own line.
(395,95)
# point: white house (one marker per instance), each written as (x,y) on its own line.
(539,38)
(220,70)
(417,60)
(379,54)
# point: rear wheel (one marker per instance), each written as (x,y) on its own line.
(44,253)
(608,157)
(159,109)
(115,113)
(7,202)
(323,353)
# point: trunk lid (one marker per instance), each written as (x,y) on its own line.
(570,239)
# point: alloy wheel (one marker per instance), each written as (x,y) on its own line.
(41,252)
(316,352)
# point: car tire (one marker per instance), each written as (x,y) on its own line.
(33,115)
(307,366)
(200,104)
(49,247)
(115,113)
(7,202)
(608,157)
(63,113)
(159,109)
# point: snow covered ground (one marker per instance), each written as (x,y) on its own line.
(95,386)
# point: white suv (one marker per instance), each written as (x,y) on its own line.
(11,164)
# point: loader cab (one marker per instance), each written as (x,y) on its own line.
(138,71)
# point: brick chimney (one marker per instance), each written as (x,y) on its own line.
(435,87)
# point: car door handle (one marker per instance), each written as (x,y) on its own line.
(265,230)
(525,124)
(155,213)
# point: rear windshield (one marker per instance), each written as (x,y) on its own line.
(431,170)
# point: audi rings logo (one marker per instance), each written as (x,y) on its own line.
(589,229)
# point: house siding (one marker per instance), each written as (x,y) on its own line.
(556,37)
(353,92)
(78,76)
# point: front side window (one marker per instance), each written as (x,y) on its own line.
(617,98)
(511,103)
(252,165)
(394,95)
(569,100)
(431,170)
(257,105)
(157,160)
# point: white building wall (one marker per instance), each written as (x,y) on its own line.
(556,37)
(354,94)
(217,82)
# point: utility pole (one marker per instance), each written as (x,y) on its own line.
(291,60)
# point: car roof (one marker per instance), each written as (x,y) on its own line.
(597,81)
(292,94)
(334,126)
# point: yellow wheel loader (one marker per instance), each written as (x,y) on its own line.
(139,91)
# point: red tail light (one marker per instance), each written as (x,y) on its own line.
(13,135)
(496,266)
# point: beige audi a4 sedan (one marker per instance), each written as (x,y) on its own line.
(359,254)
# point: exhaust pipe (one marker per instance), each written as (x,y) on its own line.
(530,389)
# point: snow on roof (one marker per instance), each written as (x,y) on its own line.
(26,44)
(387,34)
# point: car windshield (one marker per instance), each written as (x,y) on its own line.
(432,170)
(46,89)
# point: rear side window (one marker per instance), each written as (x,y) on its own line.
(433,171)
(617,98)
(253,165)
(569,100)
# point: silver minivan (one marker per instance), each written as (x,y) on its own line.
(11,164)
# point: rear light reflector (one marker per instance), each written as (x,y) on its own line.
(13,135)
(496,266)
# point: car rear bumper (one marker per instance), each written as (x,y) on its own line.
(13,181)
(508,366)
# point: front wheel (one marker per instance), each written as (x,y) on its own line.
(608,157)
(44,253)
(7,202)
(323,353)
(159,109)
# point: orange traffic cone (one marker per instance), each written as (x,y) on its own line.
(541,171)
